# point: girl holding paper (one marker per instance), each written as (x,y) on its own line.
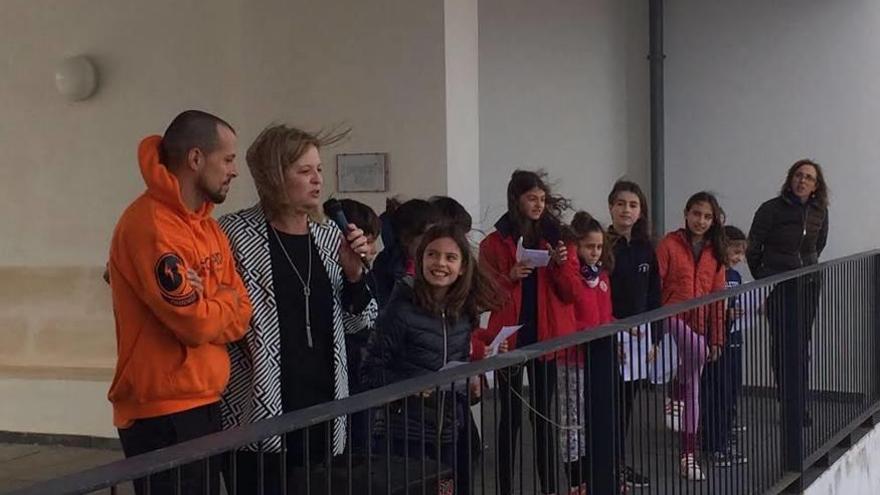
(692,262)
(426,327)
(538,298)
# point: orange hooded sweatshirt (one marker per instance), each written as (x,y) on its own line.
(170,340)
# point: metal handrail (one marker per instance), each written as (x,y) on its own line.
(163,459)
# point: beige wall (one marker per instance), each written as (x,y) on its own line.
(375,66)
(411,78)
(563,87)
(69,169)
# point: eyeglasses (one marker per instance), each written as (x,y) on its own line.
(809,179)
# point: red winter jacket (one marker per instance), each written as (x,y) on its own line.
(558,288)
(683,278)
(592,307)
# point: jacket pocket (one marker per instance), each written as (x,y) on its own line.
(202,371)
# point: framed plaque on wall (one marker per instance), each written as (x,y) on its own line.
(362,172)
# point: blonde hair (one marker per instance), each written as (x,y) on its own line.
(273,152)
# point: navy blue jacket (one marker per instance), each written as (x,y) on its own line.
(635,280)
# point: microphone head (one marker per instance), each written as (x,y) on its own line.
(331,206)
(333,210)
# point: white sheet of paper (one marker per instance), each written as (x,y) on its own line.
(503,335)
(665,364)
(535,258)
(752,314)
(635,351)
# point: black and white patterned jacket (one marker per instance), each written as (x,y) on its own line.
(254,391)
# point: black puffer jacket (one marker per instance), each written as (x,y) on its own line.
(411,342)
(785,235)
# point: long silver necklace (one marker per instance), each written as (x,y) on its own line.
(307,283)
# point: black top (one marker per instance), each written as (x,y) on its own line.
(528,311)
(786,234)
(306,373)
(635,281)
(734,331)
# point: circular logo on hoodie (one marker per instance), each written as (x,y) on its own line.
(170,277)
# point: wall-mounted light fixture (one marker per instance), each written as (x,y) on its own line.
(76,78)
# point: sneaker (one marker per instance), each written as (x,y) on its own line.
(690,468)
(634,479)
(578,490)
(727,459)
(673,409)
(739,428)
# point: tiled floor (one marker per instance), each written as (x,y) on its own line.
(23,465)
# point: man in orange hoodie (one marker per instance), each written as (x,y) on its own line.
(177,297)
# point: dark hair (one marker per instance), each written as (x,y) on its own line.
(642,228)
(190,129)
(452,212)
(411,219)
(361,215)
(734,234)
(584,224)
(715,235)
(820,195)
(523,181)
(471,294)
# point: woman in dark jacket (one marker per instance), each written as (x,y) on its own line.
(790,232)
(425,327)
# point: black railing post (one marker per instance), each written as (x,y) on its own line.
(875,327)
(793,383)
(601,377)
(658,168)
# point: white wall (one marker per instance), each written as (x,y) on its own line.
(752,86)
(461,26)
(563,86)
(855,473)
(68,169)
(375,66)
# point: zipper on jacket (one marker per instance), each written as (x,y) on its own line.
(803,234)
(442,408)
(445,343)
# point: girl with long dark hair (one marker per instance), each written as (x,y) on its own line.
(691,262)
(538,298)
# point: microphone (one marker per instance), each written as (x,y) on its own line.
(333,210)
